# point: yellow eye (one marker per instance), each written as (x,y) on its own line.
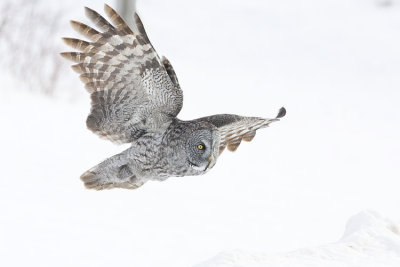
(201,147)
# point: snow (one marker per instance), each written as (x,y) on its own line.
(333,64)
(369,240)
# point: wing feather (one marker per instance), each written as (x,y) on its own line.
(140,27)
(85,30)
(233,128)
(117,20)
(76,43)
(99,21)
(132,89)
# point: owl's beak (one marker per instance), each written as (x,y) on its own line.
(210,159)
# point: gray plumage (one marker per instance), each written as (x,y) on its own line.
(135,98)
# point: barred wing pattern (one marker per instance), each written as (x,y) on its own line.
(132,90)
(233,128)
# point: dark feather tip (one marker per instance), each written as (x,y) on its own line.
(281,113)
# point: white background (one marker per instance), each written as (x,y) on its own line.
(334,65)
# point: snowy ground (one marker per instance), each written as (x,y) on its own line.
(333,64)
(369,241)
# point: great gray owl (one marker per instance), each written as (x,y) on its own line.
(135,99)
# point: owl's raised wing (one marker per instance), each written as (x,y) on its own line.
(233,128)
(132,90)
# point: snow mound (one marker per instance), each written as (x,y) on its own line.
(368,240)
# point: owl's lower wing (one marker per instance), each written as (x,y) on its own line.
(115,172)
(132,90)
(233,128)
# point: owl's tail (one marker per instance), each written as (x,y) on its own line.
(114,172)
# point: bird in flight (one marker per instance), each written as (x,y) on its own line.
(135,98)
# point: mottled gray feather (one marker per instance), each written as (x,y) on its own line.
(115,172)
(132,90)
(233,128)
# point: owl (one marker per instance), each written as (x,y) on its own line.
(135,98)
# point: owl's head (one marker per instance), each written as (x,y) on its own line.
(202,149)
